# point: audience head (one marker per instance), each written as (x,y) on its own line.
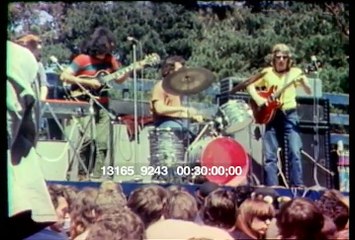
(172,64)
(148,202)
(242,193)
(61,205)
(175,188)
(108,199)
(120,225)
(31,42)
(82,212)
(112,188)
(331,204)
(181,205)
(300,218)
(254,217)
(203,190)
(220,209)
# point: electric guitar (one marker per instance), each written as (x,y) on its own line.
(265,113)
(105,77)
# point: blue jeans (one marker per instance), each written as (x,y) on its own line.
(283,131)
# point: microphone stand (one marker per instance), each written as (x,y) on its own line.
(135,106)
(316,121)
(92,113)
(142,82)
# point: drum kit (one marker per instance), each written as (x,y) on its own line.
(213,146)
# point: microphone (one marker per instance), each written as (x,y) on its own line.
(315,62)
(313,66)
(313,58)
(132,39)
(55,60)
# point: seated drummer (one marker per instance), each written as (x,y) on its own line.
(166,107)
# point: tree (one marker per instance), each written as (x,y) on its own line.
(234,45)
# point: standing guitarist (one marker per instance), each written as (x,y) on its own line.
(282,126)
(96,56)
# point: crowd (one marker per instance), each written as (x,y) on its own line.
(210,212)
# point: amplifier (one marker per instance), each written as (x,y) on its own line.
(227,84)
(54,159)
(316,157)
(313,110)
(126,107)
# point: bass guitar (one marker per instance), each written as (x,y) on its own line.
(265,113)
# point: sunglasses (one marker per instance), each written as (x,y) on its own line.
(281,57)
(265,217)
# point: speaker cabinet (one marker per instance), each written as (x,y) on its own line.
(54,159)
(316,147)
(312,110)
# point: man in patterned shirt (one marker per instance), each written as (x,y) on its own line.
(96,56)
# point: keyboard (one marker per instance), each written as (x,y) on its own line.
(64,108)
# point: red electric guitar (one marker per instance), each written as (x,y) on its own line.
(264,114)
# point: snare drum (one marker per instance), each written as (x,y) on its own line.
(236,115)
(217,153)
(166,147)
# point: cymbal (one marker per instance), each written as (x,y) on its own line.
(241,86)
(188,81)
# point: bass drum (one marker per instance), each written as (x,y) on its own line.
(220,153)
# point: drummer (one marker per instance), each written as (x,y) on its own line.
(166,106)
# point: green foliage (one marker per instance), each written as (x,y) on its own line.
(233,46)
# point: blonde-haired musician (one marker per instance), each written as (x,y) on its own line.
(282,123)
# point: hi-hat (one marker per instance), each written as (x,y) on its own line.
(188,81)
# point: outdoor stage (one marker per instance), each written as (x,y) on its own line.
(125,151)
(57,155)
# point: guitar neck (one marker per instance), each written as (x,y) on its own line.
(278,93)
(119,73)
